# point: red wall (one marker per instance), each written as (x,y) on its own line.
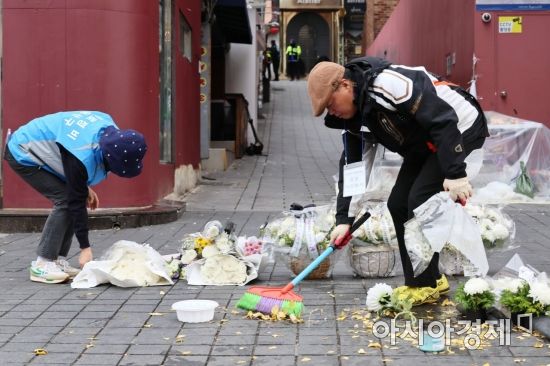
(424,32)
(97,55)
(518,64)
(187,89)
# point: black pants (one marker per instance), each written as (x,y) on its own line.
(293,70)
(276,70)
(420,178)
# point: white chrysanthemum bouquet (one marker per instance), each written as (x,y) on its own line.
(382,300)
(497,228)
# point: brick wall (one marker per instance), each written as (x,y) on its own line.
(378,12)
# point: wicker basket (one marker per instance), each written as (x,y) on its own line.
(372,261)
(297,265)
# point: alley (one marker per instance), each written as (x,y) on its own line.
(107,325)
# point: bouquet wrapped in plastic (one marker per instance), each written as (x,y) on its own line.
(299,236)
(373,252)
(443,226)
(498,230)
(213,257)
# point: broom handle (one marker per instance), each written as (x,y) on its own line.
(325,254)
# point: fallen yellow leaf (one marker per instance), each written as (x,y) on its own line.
(539,345)
(305,359)
(156,314)
(374,345)
(361,351)
(40,352)
(447,302)
(185,353)
(486,364)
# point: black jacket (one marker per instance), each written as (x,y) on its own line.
(407,109)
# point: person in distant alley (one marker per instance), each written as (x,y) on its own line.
(275,59)
(61,155)
(431,123)
(293,53)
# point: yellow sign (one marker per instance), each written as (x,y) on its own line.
(509,24)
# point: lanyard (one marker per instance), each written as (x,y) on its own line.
(346,144)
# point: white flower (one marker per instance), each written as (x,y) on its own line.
(476,286)
(500,231)
(376,295)
(540,292)
(508,283)
(224,243)
(188,256)
(212,229)
(224,269)
(209,251)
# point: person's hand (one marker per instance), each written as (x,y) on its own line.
(85,256)
(459,189)
(339,232)
(92,200)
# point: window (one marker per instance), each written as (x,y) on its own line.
(165,53)
(186,39)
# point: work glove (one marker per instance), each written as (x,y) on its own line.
(338,234)
(459,189)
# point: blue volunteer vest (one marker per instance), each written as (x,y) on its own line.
(34,144)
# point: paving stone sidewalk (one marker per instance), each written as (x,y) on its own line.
(107,325)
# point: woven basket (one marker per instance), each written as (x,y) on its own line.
(373,261)
(297,265)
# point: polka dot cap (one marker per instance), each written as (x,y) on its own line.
(123,150)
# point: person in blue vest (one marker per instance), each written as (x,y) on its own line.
(61,155)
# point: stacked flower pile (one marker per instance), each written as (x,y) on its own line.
(215,251)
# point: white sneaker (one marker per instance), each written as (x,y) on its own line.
(47,272)
(63,265)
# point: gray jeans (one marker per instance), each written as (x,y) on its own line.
(57,234)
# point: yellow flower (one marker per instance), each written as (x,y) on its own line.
(201,243)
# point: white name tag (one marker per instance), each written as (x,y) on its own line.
(355,178)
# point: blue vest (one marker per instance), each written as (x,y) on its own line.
(35,144)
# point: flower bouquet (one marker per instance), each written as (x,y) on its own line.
(212,258)
(474,298)
(373,249)
(382,300)
(300,236)
(528,298)
(442,226)
(497,228)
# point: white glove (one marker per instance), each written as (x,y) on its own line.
(338,232)
(459,189)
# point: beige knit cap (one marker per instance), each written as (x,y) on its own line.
(322,81)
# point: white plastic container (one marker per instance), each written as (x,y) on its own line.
(195,311)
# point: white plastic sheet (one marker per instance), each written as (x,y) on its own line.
(512,140)
(439,222)
(125,264)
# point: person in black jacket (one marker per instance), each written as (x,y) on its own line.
(432,124)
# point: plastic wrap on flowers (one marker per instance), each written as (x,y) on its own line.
(300,236)
(419,250)
(378,229)
(498,230)
(440,223)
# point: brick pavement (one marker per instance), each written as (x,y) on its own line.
(113,326)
